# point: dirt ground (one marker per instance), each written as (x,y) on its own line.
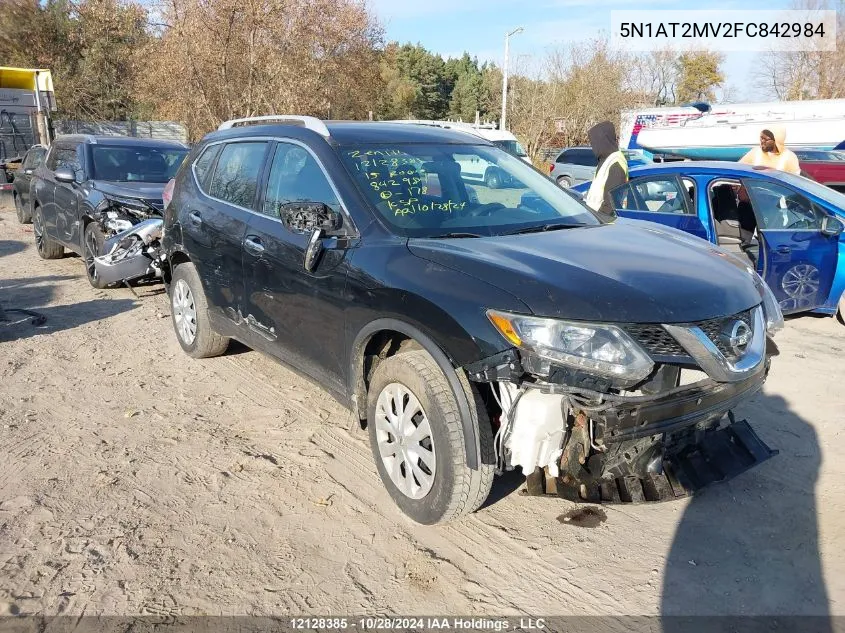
(134,480)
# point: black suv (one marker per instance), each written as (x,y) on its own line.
(472,330)
(90,188)
(33,158)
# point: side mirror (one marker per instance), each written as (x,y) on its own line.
(305,217)
(832,226)
(65,174)
(315,218)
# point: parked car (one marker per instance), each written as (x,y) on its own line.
(826,167)
(576,165)
(91,188)
(788,226)
(21,184)
(444,321)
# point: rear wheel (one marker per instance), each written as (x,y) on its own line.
(189,312)
(565,181)
(416,436)
(93,243)
(841,312)
(47,248)
(24,216)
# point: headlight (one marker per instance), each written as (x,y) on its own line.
(599,349)
(771,307)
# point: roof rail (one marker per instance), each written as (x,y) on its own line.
(310,122)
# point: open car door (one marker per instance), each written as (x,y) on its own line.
(800,244)
(665,200)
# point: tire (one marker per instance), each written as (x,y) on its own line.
(453,488)
(24,215)
(840,314)
(565,181)
(92,245)
(492,179)
(189,314)
(47,248)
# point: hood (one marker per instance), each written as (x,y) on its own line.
(603,139)
(625,272)
(145,190)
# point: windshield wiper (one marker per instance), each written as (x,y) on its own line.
(541,228)
(455,234)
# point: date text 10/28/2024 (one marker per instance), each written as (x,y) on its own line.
(410,623)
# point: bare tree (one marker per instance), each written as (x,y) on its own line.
(654,77)
(222,59)
(807,74)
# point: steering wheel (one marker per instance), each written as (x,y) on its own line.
(486,209)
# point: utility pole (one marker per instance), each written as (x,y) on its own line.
(503,122)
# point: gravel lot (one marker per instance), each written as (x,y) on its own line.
(134,480)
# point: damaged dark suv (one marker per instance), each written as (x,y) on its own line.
(473,330)
(101,197)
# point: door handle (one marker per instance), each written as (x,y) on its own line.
(195,218)
(253,245)
(784,250)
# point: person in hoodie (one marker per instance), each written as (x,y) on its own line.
(612,170)
(773,152)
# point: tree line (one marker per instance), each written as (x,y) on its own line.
(205,61)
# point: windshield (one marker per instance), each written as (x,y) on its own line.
(436,190)
(136,164)
(511,146)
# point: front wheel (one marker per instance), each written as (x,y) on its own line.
(189,311)
(416,437)
(93,243)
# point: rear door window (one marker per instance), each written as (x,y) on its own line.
(585,157)
(652,195)
(236,175)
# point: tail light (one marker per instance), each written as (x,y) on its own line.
(167,194)
(6,187)
(551,167)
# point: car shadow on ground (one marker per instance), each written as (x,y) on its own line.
(750,546)
(32,295)
(11,247)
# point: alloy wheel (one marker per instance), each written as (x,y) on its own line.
(38,230)
(91,251)
(801,284)
(405,444)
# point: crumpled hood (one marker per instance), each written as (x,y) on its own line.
(628,271)
(145,190)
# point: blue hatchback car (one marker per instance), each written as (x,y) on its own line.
(790,227)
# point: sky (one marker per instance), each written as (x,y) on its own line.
(450,27)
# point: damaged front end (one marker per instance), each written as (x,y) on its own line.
(132,249)
(628,412)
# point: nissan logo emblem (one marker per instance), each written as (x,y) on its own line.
(737,336)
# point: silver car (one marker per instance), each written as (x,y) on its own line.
(573,166)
